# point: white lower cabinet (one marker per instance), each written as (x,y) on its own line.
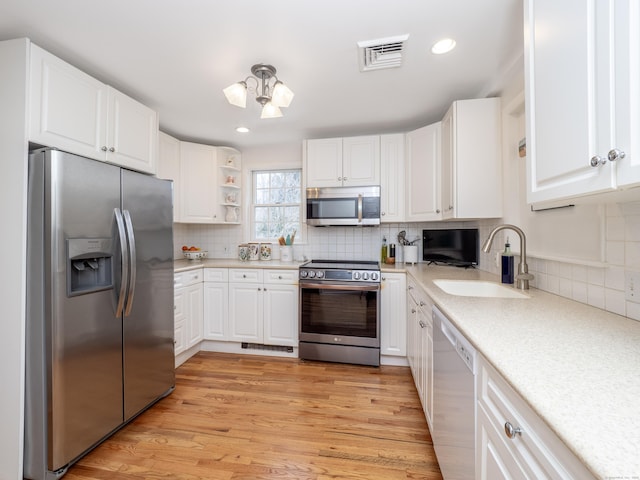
(420,344)
(512,442)
(393,314)
(188,309)
(263,306)
(216,304)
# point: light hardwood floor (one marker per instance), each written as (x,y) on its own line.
(251,417)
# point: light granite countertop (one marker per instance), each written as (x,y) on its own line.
(577,366)
(183,265)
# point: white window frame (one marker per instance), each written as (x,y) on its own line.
(253,194)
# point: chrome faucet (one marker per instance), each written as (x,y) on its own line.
(523,276)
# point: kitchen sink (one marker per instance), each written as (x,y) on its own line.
(478,288)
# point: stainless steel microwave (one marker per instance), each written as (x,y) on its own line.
(346,206)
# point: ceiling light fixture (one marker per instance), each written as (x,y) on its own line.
(443,46)
(242,130)
(271,95)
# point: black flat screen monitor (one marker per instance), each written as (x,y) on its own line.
(458,246)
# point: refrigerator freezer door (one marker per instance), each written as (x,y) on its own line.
(74,340)
(148,321)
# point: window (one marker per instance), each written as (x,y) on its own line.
(276,203)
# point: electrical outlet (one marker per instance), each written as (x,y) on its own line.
(632,286)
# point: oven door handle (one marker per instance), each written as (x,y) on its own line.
(360,208)
(359,288)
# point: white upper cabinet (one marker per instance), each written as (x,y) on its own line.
(423,174)
(471,149)
(74,112)
(169,167)
(336,162)
(198,183)
(392,178)
(582,74)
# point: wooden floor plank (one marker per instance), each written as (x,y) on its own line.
(239,417)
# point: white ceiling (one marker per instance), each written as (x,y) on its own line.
(177,55)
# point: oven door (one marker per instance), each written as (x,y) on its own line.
(340,313)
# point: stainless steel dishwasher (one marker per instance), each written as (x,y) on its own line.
(454,400)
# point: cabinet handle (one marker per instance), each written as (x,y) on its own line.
(112,149)
(413,310)
(409,287)
(104,148)
(422,324)
(615,154)
(422,304)
(597,161)
(511,431)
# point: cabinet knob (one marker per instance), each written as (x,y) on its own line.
(409,287)
(511,431)
(244,276)
(597,161)
(264,289)
(450,207)
(383,214)
(279,277)
(339,179)
(438,210)
(615,154)
(413,310)
(259,289)
(344,179)
(104,148)
(422,324)
(422,304)
(112,149)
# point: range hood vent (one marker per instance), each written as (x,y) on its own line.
(381,53)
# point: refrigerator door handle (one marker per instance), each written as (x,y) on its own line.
(132,262)
(125,261)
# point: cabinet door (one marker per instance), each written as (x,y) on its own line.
(568,97)
(169,167)
(393,325)
(68,108)
(281,315)
(361,161)
(627,88)
(216,311)
(179,319)
(132,133)
(198,186)
(194,321)
(392,178)
(476,153)
(494,460)
(245,312)
(324,162)
(423,174)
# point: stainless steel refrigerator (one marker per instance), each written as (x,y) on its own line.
(99,305)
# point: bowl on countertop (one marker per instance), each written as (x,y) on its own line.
(195,254)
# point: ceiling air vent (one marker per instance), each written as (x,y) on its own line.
(381,53)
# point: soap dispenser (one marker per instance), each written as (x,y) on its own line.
(507,263)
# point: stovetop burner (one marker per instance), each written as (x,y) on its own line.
(342,264)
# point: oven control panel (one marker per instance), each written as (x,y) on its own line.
(340,275)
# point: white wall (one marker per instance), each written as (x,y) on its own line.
(13,205)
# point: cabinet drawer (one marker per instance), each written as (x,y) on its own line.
(245,275)
(184,279)
(216,275)
(289,277)
(537,450)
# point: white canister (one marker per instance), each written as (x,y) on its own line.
(286,253)
(243,252)
(254,251)
(265,251)
(410,253)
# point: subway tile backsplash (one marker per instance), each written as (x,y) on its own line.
(599,286)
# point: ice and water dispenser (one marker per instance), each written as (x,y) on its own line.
(89,265)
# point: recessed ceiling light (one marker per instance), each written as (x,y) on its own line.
(242,130)
(443,46)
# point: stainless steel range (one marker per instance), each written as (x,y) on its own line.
(339,315)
